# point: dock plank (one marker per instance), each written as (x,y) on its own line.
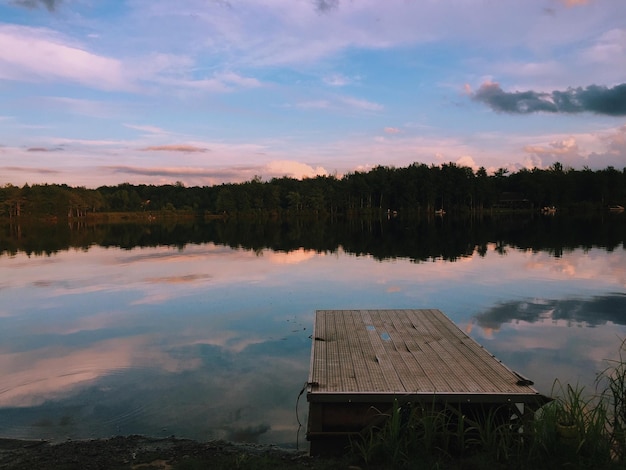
(492,373)
(383,362)
(403,351)
(368,377)
(457,367)
(423,376)
(350,356)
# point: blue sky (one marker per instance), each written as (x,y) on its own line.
(211,91)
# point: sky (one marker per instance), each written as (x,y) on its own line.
(203,92)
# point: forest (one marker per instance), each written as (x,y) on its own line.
(415,189)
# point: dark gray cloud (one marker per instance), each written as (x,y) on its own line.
(23,169)
(594,99)
(324,6)
(175,148)
(51,5)
(220,173)
(593,312)
(43,149)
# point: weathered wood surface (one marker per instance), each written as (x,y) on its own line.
(404,352)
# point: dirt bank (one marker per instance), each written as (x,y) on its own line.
(142,453)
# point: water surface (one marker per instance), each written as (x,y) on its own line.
(209,337)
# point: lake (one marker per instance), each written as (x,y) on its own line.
(202,329)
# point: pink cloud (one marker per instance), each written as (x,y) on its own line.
(556,148)
(187,278)
(35,54)
(467,161)
(294,169)
(616,143)
(294,257)
(175,148)
(573,3)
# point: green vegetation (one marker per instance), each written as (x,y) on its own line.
(417,188)
(572,431)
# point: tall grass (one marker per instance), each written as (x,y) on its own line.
(411,433)
(612,383)
(572,429)
(575,430)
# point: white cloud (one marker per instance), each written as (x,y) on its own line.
(278,33)
(218,83)
(468,161)
(609,48)
(151,130)
(278,168)
(85,107)
(337,80)
(616,141)
(361,104)
(236,79)
(315,104)
(555,148)
(162,64)
(36,54)
(595,150)
(41,55)
(175,148)
(341,103)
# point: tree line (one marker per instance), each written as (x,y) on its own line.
(417,188)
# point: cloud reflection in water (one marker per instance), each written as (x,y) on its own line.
(209,341)
(595,311)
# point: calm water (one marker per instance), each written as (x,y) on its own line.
(205,336)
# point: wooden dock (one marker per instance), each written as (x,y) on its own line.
(363,360)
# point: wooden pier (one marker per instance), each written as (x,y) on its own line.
(363,360)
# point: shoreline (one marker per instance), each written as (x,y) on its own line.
(136,452)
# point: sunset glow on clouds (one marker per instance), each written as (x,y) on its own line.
(207,92)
